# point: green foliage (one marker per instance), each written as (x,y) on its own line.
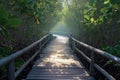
(117,65)
(43,12)
(3,16)
(97,21)
(113,50)
(106,2)
(13,23)
(115,1)
(86,17)
(5,51)
(19,63)
(6,22)
(38,9)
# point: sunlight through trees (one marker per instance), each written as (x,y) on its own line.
(95,22)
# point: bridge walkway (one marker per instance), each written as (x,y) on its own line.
(58,62)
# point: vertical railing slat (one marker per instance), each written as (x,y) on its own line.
(92,64)
(11,70)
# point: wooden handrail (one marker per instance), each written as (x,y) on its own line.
(10,60)
(20,52)
(91,60)
(101,52)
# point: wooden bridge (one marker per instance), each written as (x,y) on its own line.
(58,61)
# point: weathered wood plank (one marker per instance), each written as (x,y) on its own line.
(59,77)
(81,72)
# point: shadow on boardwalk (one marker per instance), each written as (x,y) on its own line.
(58,62)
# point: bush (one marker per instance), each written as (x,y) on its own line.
(5,51)
(114,51)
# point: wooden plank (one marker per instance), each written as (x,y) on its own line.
(59,77)
(58,72)
(42,64)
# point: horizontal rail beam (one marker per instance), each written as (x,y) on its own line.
(105,73)
(103,53)
(25,64)
(20,52)
(86,57)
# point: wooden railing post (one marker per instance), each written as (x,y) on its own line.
(92,64)
(70,41)
(50,36)
(40,48)
(73,45)
(11,70)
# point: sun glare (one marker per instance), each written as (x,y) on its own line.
(65,1)
(60,60)
(59,55)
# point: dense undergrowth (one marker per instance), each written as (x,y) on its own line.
(115,50)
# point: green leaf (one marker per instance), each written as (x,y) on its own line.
(86,17)
(106,2)
(103,10)
(92,20)
(19,63)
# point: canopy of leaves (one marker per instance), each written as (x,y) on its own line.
(7,22)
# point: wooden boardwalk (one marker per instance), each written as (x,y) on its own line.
(58,62)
